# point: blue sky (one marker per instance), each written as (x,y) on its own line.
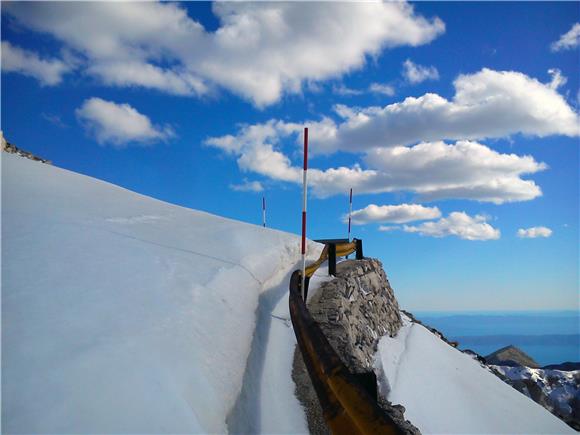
(185,101)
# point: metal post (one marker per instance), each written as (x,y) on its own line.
(304,191)
(359,249)
(349,215)
(349,212)
(264,211)
(332,259)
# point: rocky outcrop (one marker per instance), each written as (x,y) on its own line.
(13,149)
(355,310)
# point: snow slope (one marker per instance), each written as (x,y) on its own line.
(446,391)
(560,387)
(125,314)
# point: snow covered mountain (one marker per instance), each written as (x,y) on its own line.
(125,314)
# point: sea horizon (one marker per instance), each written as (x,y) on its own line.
(548,336)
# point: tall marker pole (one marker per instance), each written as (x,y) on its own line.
(349,212)
(264,211)
(304,188)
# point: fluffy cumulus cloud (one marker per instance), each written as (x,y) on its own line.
(47,71)
(486,104)
(400,145)
(466,169)
(158,46)
(534,232)
(414,73)
(398,214)
(457,224)
(569,40)
(433,170)
(119,124)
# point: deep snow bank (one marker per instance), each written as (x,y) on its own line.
(121,313)
(446,391)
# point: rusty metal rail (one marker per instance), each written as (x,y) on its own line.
(347,407)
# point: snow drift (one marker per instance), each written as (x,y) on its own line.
(446,391)
(122,313)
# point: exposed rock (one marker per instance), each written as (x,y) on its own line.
(355,310)
(13,149)
(511,356)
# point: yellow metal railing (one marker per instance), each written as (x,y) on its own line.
(342,250)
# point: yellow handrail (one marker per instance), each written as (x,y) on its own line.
(342,250)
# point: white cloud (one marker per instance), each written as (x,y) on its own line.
(381,88)
(54,119)
(247,186)
(569,40)
(136,73)
(414,73)
(345,91)
(48,72)
(532,233)
(457,224)
(397,214)
(558,79)
(487,104)
(373,88)
(433,170)
(386,228)
(119,124)
(466,169)
(259,51)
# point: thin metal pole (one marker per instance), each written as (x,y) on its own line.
(349,213)
(304,189)
(264,211)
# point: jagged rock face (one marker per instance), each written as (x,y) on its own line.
(355,310)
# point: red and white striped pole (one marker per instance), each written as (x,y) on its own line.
(264,211)
(349,212)
(304,189)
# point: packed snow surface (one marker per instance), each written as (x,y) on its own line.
(125,314)
(446,391)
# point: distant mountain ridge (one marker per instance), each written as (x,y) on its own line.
(511,356)
(519,339)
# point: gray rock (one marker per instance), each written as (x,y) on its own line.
(355,309)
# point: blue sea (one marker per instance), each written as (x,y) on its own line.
(549,337)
